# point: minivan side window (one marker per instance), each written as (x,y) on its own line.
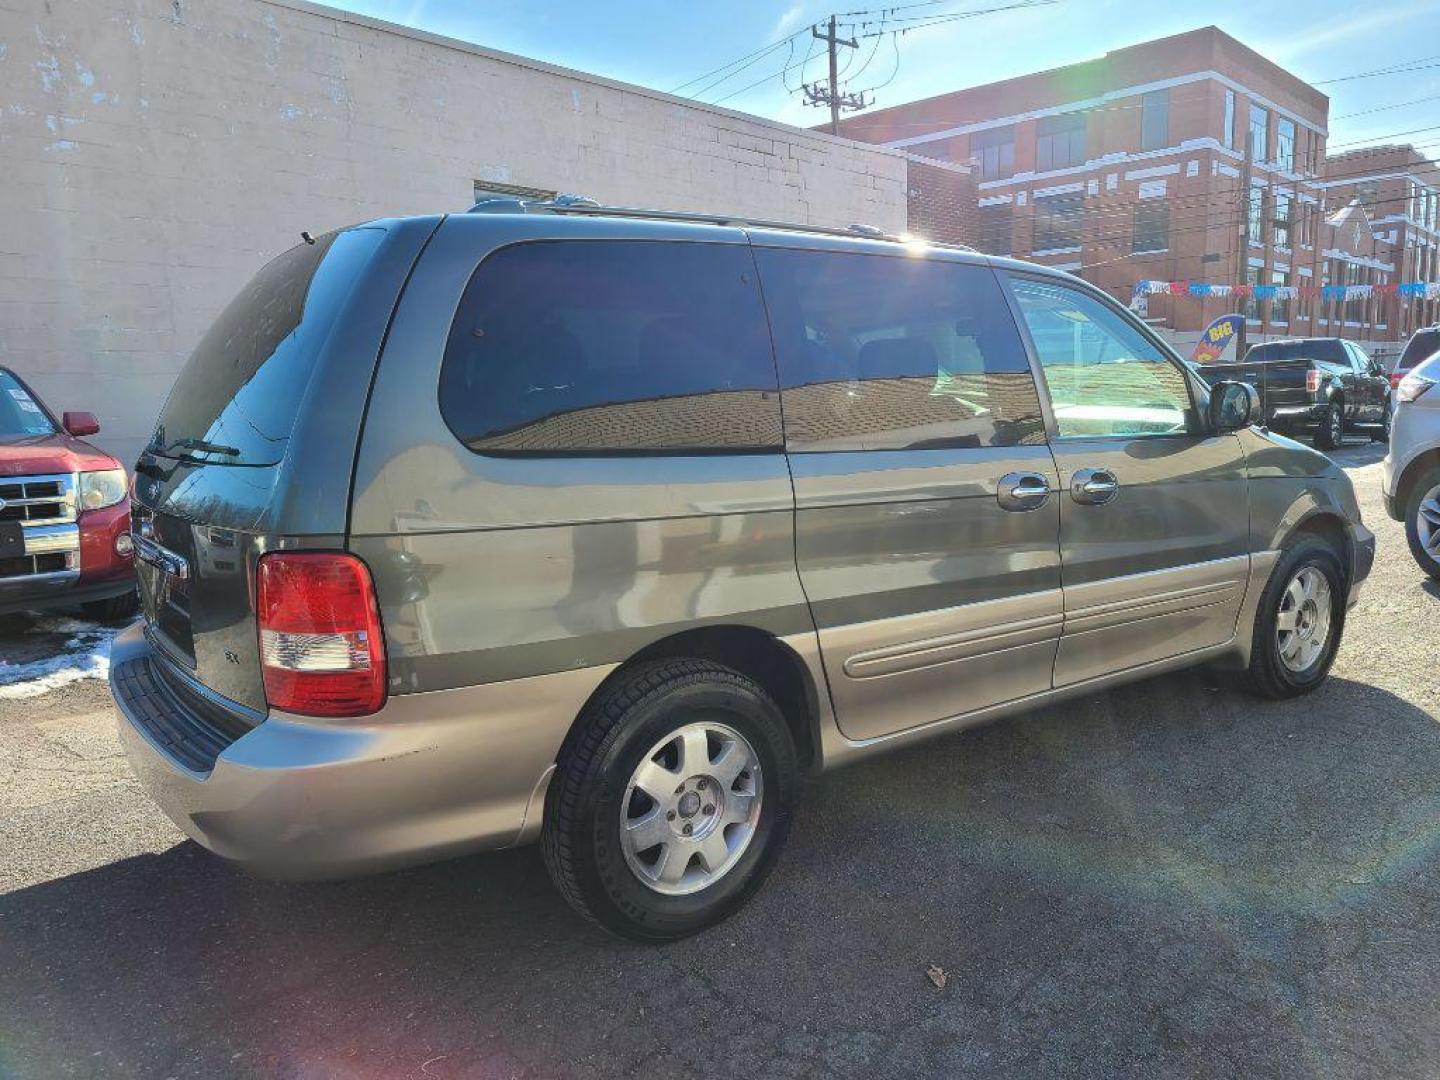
(881,352)
(584,347)
(1103,376)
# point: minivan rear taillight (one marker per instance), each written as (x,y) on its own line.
(1312,380)
(321,649)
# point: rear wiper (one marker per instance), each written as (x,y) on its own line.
(202,445)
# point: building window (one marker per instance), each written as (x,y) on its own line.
(1281,233)
(1285,143)
(995,151)
(1252,306)
(996,229)
(1152,226)
(1227,134)
(1255,217)
(1259,132)
(1304,305)
(1155,120)
(1280,308)
(1057,222)
(1060,141)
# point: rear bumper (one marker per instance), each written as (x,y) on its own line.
(429,776)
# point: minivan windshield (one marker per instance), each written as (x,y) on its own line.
(236,399)
(20,414)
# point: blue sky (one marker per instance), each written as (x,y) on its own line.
(663,45)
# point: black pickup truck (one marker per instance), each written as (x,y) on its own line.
(1326,387)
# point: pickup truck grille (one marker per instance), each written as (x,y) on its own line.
(45,508)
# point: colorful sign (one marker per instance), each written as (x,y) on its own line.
(1216,339)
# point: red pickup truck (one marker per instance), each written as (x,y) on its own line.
(64,512)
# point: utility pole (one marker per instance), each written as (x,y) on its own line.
(829,93)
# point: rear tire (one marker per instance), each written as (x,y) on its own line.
(1422,521)
(1330,432)
(113,608)
(640,735)
(1285,661)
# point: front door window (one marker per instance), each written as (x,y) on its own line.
(1104,377)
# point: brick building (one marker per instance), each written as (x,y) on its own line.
(1399,187)
(1133,166)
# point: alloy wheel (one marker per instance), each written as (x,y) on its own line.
(691,808)
(1427,522)
(1302,628)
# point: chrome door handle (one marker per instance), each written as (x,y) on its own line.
(1022,491)
(1091,487)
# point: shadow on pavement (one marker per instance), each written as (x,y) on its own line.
(1168,878)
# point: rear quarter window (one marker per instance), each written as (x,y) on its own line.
(612,347)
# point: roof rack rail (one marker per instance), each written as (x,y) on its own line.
(581,204)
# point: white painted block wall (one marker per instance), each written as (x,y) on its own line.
(155,153)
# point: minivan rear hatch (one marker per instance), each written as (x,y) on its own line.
(255,444)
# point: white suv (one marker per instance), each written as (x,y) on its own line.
(1412,467)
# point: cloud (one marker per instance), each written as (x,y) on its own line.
(788,21)
(1346,28)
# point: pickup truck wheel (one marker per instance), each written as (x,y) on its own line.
(672,800)
(1422,522)
(1331,429)
(1382,433)
(1299,621)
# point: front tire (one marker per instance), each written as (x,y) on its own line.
(672,800)
(112,609)
(1330,432)
(1299,622)
(1422,522)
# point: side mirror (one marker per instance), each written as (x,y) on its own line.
(1234,405)
(80,423)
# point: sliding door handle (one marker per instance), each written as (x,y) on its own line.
(1091,487)
(1022,491)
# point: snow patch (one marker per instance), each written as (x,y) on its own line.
(84,654)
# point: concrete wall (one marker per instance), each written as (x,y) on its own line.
(154,153)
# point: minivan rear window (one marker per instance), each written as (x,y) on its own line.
(237,397)
(583,347)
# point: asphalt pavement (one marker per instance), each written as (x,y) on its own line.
(1171,879)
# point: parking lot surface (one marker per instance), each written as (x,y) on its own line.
(1169,879)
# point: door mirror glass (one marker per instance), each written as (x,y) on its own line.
(1234,405)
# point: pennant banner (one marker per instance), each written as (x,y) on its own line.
(1420,290)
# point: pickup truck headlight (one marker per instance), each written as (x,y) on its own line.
(101,489)
(1412,386)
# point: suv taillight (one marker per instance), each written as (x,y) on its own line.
(1312,381)
(321,648)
